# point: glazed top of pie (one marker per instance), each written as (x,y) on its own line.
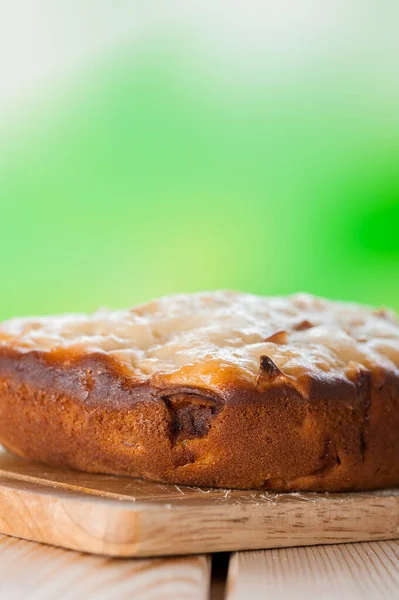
(207,332)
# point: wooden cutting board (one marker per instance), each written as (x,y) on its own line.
(119,516)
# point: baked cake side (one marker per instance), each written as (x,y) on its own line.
(218,389)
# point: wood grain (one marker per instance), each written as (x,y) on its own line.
(124,517)
(365,571)
(33,571)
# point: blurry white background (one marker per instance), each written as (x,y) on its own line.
(44,43)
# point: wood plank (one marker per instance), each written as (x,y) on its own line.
(365,571)
(33,571)
(125,517)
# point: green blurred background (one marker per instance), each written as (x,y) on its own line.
(172,162)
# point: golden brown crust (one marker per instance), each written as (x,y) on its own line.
(81,410)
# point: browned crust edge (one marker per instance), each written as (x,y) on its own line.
(85,413)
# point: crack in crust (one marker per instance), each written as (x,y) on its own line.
(280,337)
(268,371)
(329,460)
(191,415)
(303,325)
(364,384)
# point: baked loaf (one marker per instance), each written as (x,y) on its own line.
(212,389)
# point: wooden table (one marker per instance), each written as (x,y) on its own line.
(367,570)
